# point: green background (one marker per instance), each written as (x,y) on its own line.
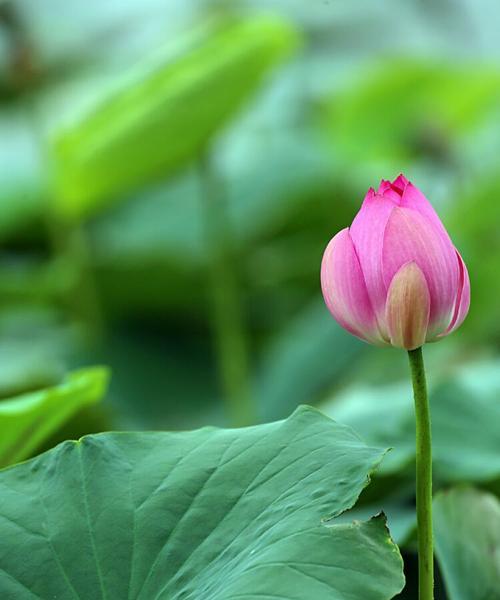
(170,174)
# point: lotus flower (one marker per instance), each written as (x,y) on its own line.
(394,276)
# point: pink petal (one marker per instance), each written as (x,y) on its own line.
(463,297)
(387,189)
(413,198)
(400,183)
(344,289)
(408,307)
(367,233)
(385,184)
(410,238)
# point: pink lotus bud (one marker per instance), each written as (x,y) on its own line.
(394,276)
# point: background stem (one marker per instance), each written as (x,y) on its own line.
(69,244)
(227,321)
(68,240)
(424,476)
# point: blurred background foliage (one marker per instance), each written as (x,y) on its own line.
(170,173)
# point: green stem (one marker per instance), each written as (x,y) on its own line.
(69,244)
(424,477)
(227,320)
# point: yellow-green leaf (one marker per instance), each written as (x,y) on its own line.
(28,420)
(161,121)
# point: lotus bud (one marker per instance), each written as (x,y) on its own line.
(394,276)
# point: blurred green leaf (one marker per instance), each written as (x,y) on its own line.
(27,365)
(22,177)
(152,369)
(29,279)
(467,538)
(405,110)
(33,345)
(401,518)
(164,120)
(465,413)
(27,421)
(474,218)
(278,203)
(210,513)
(302,360)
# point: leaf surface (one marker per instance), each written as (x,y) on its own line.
(213,514)
(467,532)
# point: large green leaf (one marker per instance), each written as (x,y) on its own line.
(27,421)
(213,514)
(166,117)
(401,518)
(465,407)
(467,531)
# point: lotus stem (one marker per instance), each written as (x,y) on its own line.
(423,476)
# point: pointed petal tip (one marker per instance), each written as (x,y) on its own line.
(400,181)
(384,185)
(369,195)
